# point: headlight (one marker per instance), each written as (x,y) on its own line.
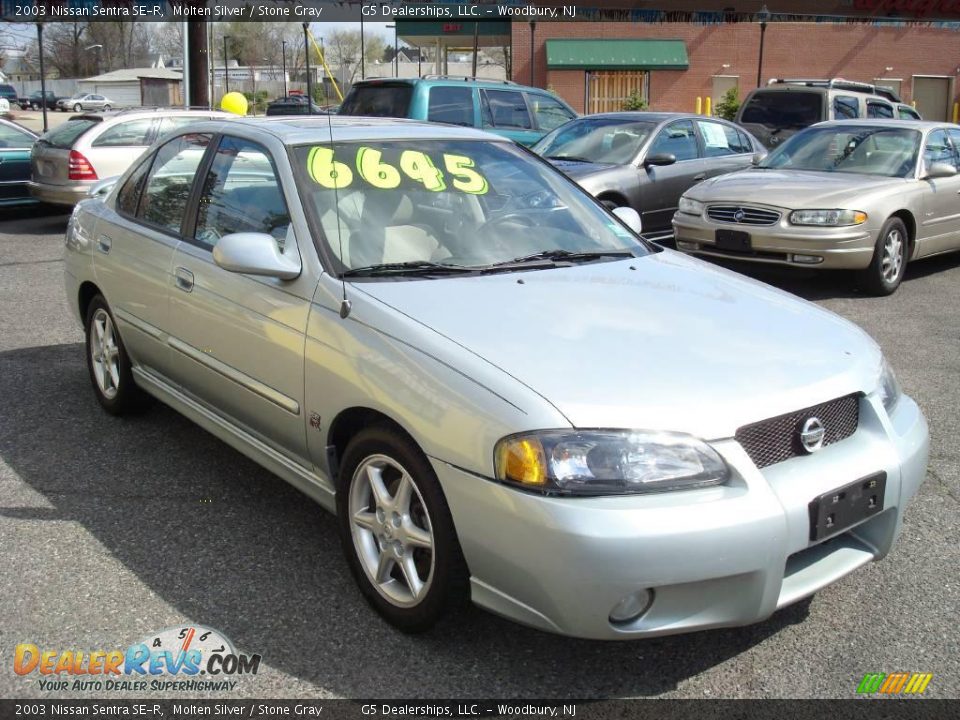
(607,462)
(688,206)
(831,218)
(888,388)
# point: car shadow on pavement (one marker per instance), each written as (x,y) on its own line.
(35,220)
(230,546)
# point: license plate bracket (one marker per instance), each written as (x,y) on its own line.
(735,240)
(839,509)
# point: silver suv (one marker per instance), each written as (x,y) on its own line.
(786,106)
(69,159)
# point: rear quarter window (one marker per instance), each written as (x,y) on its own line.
(64,136)
(132,133)
(453,105)
(783,109)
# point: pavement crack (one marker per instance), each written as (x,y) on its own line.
(950,491)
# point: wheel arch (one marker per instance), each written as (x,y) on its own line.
(614,196)
(348,423)
(87,292)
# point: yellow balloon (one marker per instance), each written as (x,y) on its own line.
(234,102)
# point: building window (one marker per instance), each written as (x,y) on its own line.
(607,90)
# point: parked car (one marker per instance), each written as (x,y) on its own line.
(865,196)
(294,105)
(502,392)
(85,101)
(647,160)
(15,144)
(9,93)
(523,114)
(70,158)
(37,100)
(784,107)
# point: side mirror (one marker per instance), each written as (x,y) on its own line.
(660,159)
(255,254)
(758,158)
(940,170)
(630,218)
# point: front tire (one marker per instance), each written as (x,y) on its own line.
(78,107)
(107,108)
(108,362)
(397,532)
(886,269)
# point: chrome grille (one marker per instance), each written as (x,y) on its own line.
(769,442)
(742,215)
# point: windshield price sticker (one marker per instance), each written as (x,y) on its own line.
(413,166)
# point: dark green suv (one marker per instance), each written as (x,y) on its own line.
(524,114)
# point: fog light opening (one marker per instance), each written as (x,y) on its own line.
(807,259)
(631,607)
(687,245)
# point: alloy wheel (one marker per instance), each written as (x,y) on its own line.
(391,529)
(892,260)
(105,353)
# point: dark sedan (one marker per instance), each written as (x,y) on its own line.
(15,144)
(647,160)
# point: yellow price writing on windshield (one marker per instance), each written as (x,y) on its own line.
(414,164)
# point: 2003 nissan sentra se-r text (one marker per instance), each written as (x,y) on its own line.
(502,392)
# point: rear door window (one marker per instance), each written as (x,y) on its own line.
(67,134)
(549,112)
(846,107)
(453,105)
(378,100)
(720,139)
(131,133)
(877,109)
(783,109)
(678,139)
(506,109)
(167,189)
(907,113)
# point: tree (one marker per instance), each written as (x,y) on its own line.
(64,49)
(342,48)
(727,108)
(635,101)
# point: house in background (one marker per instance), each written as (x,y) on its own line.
(137,87)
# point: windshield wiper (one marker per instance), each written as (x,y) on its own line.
(563,256)
(571,158)
(414,267)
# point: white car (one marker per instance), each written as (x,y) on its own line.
(69,159)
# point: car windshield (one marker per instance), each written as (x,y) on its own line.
(865,150)
(599,140)
(378,100)
(467,205)
(778,109)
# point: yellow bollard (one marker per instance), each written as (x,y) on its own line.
(914,104)
(708,112)
(956,112)
(699,105)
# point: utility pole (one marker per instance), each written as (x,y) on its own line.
(197,48)
(284,50)
(43,76)
(306,51)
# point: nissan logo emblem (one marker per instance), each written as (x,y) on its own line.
(812,434)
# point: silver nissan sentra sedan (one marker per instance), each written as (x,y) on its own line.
(502,392)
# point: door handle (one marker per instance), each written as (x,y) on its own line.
(104,244)
(698,178)
(184,279)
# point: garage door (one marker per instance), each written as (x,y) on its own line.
(932,95)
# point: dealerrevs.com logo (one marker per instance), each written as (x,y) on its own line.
(898,683)
(181,659)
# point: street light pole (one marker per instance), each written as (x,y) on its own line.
(306,54)
(43,76)
(533,67)
(284,51)
(226,73)
(764,18)
(363,62)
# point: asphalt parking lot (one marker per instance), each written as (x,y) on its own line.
(113,528)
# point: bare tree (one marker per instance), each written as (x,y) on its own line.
(64,49)
(342,48)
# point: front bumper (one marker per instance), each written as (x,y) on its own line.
(846,248)
(59,194)
(715,557)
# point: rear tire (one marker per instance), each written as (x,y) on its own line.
(108,363)
(78,107)
(886,269)
(397,532)
(107,108)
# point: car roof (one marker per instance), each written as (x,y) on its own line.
(297,129)
(18,126)
(819,89)
(135,113)
(645,115)
(448,80)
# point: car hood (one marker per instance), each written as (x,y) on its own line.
(577,170)
(660,342)
(791,188)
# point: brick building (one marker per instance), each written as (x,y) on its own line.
(922,61)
